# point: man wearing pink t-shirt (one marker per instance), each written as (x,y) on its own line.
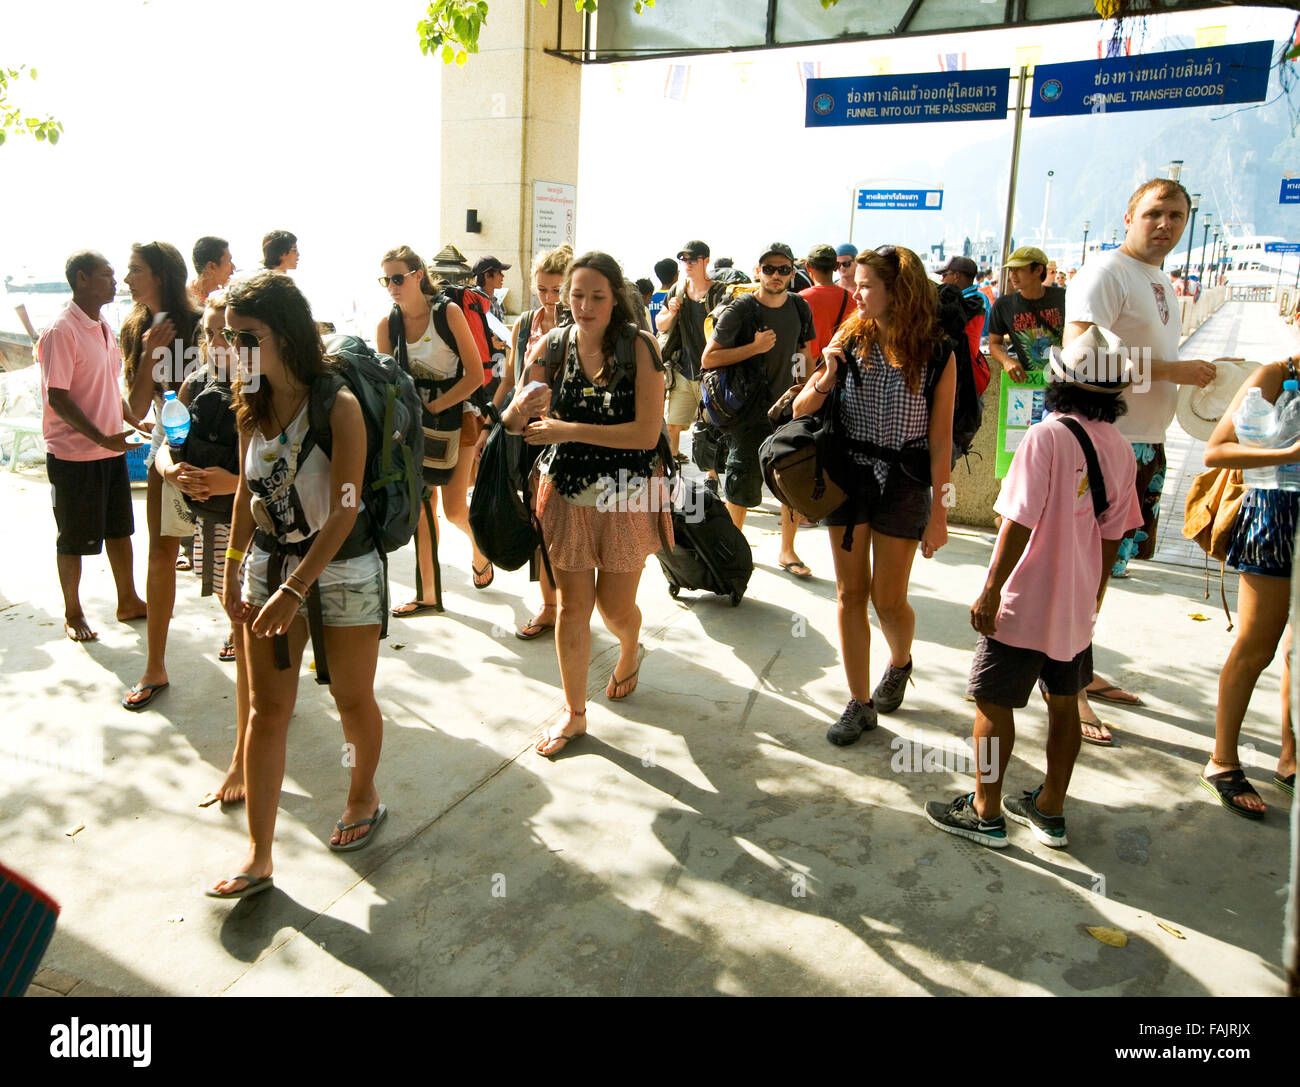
(83,423)
(1066,504)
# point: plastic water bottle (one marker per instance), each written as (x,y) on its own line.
(175,418)
(1256,423)
(1288,433)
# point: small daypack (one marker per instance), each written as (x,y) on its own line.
(213,441)
(441,430)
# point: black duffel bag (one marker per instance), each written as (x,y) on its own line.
(799,457)
(500,509)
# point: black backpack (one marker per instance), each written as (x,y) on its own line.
(500,508)
(733,395)
(955,310)
(213,441)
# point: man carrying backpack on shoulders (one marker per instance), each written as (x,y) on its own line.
(680,324)
(772,331)
(830,303)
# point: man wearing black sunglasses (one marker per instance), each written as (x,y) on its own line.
(772,330)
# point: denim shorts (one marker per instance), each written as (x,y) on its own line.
(351,590)
(901,509)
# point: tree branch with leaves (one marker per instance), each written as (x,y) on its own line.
(12,118)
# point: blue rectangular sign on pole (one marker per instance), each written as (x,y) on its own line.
(1282,247)
(905,99)
(1290,193)
(1216,76)
(900,200)
(1109,245)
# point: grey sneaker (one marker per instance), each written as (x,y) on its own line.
(1048,829)
(856,719)
(888,695)
(960,818)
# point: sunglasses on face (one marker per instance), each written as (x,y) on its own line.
(396,280)
(242,338)
(776,269)
(845,263)
(686,258)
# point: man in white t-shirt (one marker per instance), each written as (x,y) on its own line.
(1125,291)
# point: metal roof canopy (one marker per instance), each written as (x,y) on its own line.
(683,28)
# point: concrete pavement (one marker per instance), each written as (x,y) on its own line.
(704,838)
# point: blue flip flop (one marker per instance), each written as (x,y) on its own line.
(374,822)
(140,688)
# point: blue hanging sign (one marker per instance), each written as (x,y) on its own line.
(904,99)
(900,200)
(1282,247)
(1215,76)
(1109,245)
(1290,191)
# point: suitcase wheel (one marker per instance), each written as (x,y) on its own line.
(735,599)
(674,591)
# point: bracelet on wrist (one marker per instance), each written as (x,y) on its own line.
(294,577)
(824,392)
(287,588)
(235,554)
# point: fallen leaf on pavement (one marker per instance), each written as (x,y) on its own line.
(1112,937)
(75,830)
(1198,617)
(1171,930)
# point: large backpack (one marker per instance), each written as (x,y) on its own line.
(476,308)
(955,313)
(213,441)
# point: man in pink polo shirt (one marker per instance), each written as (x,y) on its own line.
(1066,504)
(86,441)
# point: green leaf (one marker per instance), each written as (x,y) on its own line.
(2,136)
(40,135)
(54,134)
(461,58)
(33,71)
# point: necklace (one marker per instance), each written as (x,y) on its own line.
(284,430)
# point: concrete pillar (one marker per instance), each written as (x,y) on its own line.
(509,118)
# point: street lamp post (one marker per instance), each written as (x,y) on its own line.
(1214,253)
(1204,237)
(1174,169)
(1083,259)
(1191,229)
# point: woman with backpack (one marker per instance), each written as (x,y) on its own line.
(431,338)
(1262,551)
(155,337)
(548,277)
(603,424)
(890,378)
(298,486)
(208,475)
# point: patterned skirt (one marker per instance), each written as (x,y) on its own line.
(1263,539)
(617,541)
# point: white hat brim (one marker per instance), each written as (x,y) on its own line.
(1201,408)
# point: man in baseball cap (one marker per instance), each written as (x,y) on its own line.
(962,272)
(845,257)
(771,331)
(693,251)
(830,302)
(1029,319)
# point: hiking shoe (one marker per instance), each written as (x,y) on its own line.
(1048,829)
(960,818)
(888,695)
(856,719)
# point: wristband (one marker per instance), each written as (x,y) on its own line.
(287,588)
(234,553)
(294,577)
(824,392)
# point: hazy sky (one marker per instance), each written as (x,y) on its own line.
(237,117)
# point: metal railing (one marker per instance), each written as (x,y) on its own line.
(1196,312)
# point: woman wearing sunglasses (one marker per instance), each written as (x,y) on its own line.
(893,379)
(156,336)
(604,425)
(446,373)
(548,278)
(311,538)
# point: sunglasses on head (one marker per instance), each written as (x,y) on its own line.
(242,338)
(396,280)
(776,269)
(889,253)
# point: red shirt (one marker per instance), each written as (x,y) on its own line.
(830,305)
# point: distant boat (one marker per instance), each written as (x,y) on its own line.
(30,285)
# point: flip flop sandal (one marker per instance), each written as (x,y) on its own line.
(479,573)
(255,885)
(1230,784)
(226,653)
(538,629)
(788,567)
(414,607)
(1106,694)
(184,564)
(1286,784)
(559,739)
(616,683)
(374,823)
(1092,739)
(137,705)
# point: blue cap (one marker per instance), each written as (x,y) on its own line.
(848,249)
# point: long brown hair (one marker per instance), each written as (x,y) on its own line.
(622,314)
(913,329)
(168,266)
(275,300)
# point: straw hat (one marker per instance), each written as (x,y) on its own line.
(1093,361)
(1200,409)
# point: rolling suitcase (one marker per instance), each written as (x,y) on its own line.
(710,553)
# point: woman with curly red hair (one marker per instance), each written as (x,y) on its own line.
(893,377)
